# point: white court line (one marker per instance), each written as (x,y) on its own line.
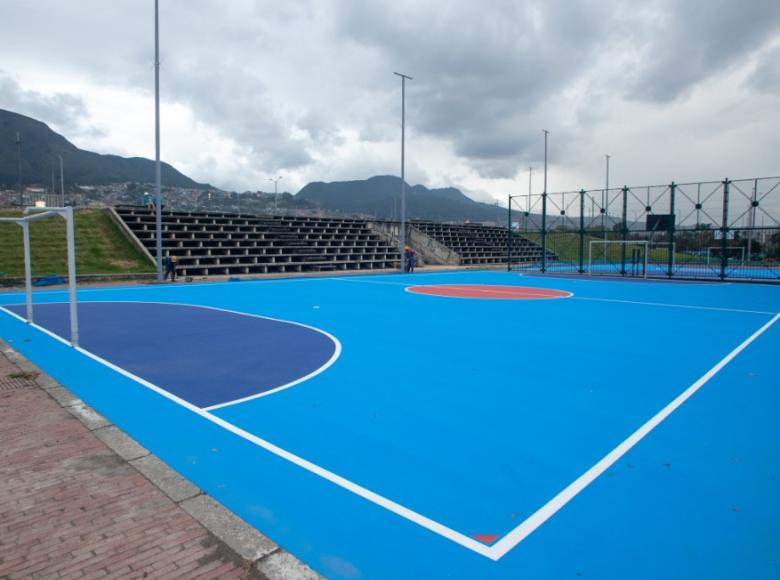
(515,536)
(33,325)
(571,295)
(551,507)
(577,277)
(359,490)
(371,282)
(314,373)
(410,290)
(668,305)
(179,285)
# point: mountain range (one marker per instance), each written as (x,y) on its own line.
(378,197)
(40,150)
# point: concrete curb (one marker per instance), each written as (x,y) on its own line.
(259,556)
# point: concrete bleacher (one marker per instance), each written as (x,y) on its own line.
(216,243)
(480,244)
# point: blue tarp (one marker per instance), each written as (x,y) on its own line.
(48,281)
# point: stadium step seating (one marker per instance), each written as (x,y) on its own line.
(225,244)
(479,244)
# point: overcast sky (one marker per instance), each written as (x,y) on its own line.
(251,89)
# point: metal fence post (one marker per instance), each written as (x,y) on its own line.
(582,231)
(71,243)
(625,231)
(544,231)
(670,256)
(724,230)
(27,269)
(509,234)
(752,221)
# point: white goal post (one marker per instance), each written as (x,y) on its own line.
(608,243)
(667,245)
(32,214)
(729,250)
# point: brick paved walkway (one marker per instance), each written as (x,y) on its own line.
(70,507)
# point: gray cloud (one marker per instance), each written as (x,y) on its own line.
(307,87)
(244,113)
(766,76)
(66,111)
(694,39)
(481,74)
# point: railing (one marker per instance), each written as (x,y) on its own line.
(727,229)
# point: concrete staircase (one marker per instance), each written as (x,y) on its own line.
(218,244)
(477,244)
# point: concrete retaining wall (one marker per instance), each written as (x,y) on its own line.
(128,233)
(429,251)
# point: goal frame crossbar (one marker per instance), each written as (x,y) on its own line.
(711,255)
(30,215)
(622,263)
(671,247)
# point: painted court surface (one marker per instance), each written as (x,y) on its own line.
(462,425)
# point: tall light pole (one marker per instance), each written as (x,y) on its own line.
(19,148)
(275,180)
(157,176)
(544,206)
(402,237)
(528,205)
(546,132)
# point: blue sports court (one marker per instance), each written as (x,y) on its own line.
(383,426)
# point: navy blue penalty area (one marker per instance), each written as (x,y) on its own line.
(205,356)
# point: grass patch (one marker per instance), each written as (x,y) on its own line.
(31,376)
(566,245)
(100,247)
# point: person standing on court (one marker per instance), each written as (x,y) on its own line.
(409,260)
(147,201)
(170,267)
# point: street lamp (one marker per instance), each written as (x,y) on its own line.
(544,206)
(402,237)
(19,149)
(275,180)
(157,170)
(546,132)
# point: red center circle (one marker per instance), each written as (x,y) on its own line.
(488,291)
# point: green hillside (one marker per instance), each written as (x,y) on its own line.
(380,196)
(41,148)
(100,247)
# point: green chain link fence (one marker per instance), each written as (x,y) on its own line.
(726,229)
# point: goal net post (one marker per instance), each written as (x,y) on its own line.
(663,253)
(623,257)
(30,215)
(732,253)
